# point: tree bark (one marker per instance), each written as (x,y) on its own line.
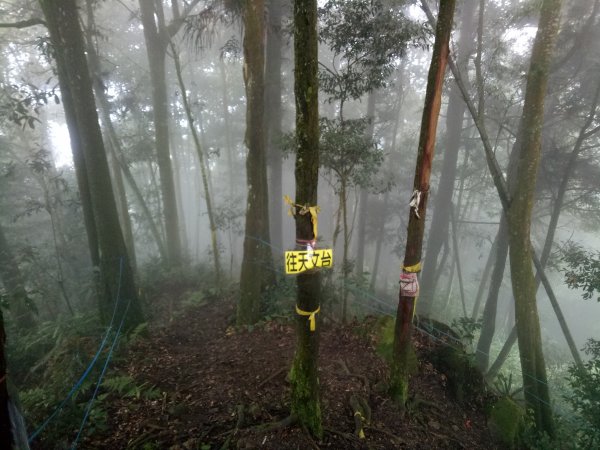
(402,350)
(255,277)
(305,403)
(117,280)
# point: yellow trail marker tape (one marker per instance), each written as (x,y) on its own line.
(298,261)
(302,210)
(311,316)
(412,269)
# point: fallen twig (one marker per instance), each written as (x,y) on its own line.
(270,377)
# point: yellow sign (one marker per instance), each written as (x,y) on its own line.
(298,261)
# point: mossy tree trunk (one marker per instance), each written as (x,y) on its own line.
(519,220)
(117,279)
(305,403)
(402,350)
(440,219)
(257,260)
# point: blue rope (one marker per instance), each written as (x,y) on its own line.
(87,371)
(91,402)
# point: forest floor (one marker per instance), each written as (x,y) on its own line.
(219,384)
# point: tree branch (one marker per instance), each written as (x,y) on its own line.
(23,23)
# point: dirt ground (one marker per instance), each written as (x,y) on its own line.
(219,385)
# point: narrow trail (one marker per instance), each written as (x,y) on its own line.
(219,384)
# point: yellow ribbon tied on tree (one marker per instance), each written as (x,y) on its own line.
(302,210)
(312,316)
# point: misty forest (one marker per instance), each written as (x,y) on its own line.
(299,224)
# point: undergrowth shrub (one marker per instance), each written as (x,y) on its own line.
(585,397)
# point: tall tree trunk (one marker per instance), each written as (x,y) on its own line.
(156,45)
(227,131)
(484,278)
(12,279)
(403,352)
(257,252)
(519,220)
(273,118)
(117,177)
(364,195)
(113,142)
(488,326)
(117,280)
(443,197)
(305,403)
(380,237)
(203,167)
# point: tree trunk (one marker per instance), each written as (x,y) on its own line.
(488,327)
(402,354)
(484,278)
(519,220)
(113,144)
(203,168)
(305,403)
(380,237)
(117,280)
(364,196)
(440,219)
(255,277)
(117,177)
(273,118)
(156,45)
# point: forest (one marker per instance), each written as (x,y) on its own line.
(299,224)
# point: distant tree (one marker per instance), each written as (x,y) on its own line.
(350,154)
(203,165)
(255,277)
(117,279)
(366,39)
(157,34)
(274,115)
(305,404)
